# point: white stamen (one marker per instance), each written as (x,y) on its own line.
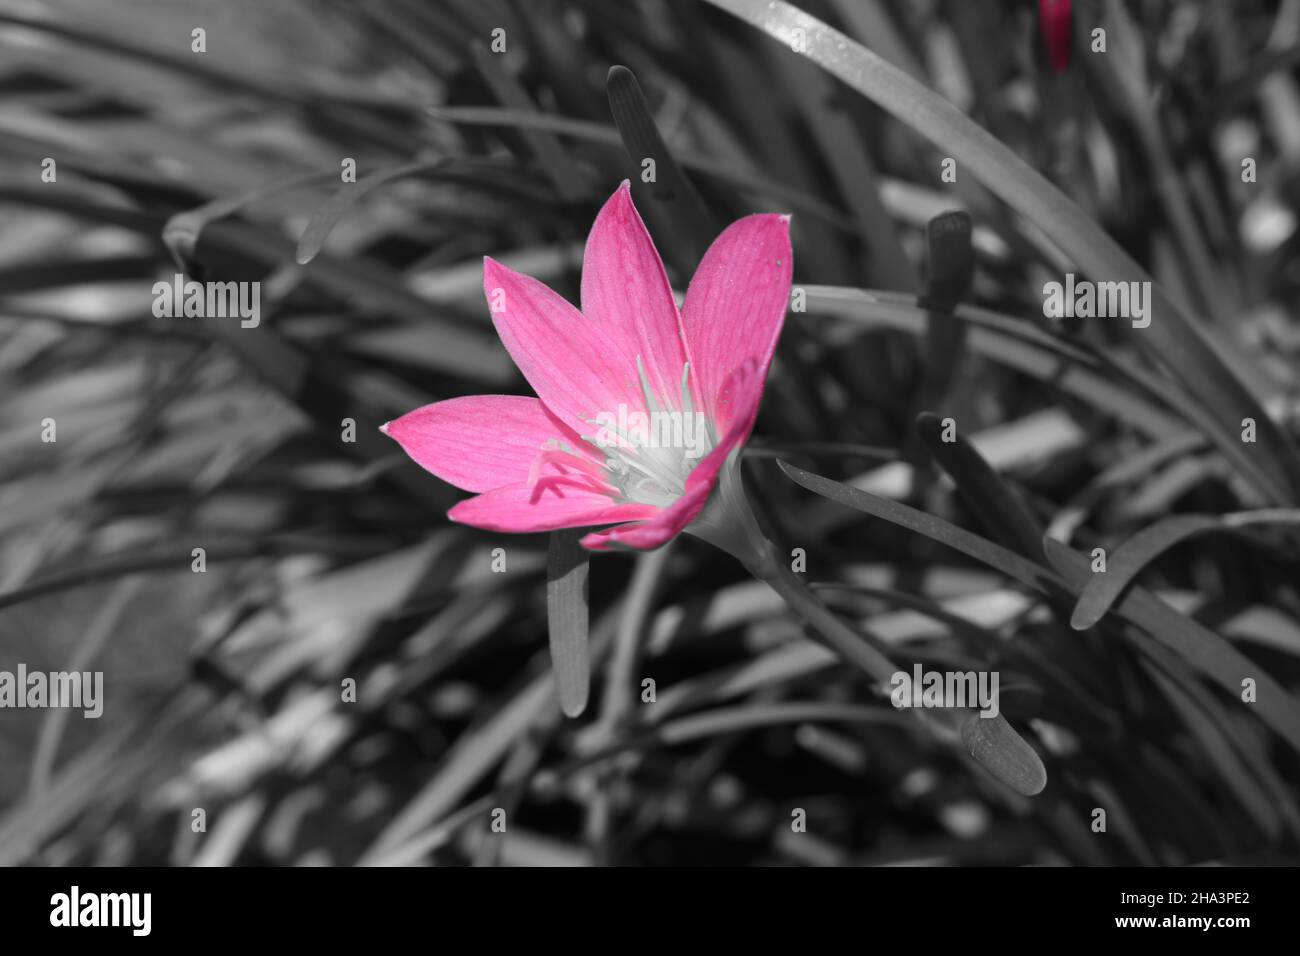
(646,392)
(648,473)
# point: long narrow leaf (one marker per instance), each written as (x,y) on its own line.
(1003,515)
(566,611)
(1172,339)
(674,194)
(1199,647)
(1128,560)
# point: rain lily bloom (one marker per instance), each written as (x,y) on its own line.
(641,408)
(1055,22)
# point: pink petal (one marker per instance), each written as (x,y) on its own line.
(518,509)
(737,400)
(624,287)
(735,307)
(1055,24)
(658,531)
(479,442)
(578,367)
(668,522)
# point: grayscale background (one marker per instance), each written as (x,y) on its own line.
(330,560)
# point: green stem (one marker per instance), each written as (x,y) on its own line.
(728,522)
(846,641)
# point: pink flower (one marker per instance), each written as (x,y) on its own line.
(639,406)
(1055,23)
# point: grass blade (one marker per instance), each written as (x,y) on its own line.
(1173,340)
(550,154)
(568,564)
(998,339)
(951,271)
(327,216)
(736,176)
(1128,560)
(674,193)
(1199,647)
(182,231)
(997,747)
(1003,514)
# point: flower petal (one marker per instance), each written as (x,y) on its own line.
(735,307)
(479,442)
(1055,24)
(518,509)
(577,366)
(669,522)
(657,531)
(624,287)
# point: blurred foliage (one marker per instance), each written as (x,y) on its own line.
(330,560)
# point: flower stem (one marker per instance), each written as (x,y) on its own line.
(846,641)
(728,522)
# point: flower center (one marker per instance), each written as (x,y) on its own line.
(650,451)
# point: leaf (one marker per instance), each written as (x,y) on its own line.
(364,284)
(952,269)
(1199,647)
(997,747)
(88,649)
(331,211)
(1205,726)
(1003,515)
(1128,560)
(729,720)
(740,177)
(117,762)
(952,261)
(1009,342)
(231,830)
(994,555)
(475,752)
(840,138)
(994,744)
(549,152)
(672,191)
(566,612)
(1266,626)
(1213,396)
(1124,82)
(139,55)
(633,628)
(60,273)
(182,231)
